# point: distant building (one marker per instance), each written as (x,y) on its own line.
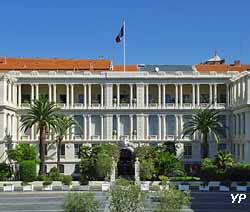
(146,104)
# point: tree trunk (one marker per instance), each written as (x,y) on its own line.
(42,140)
(58,152)
(205,146)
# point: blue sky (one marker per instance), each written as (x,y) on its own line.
(157,31)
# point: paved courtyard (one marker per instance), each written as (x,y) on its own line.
(52,202)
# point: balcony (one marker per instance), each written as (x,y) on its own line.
(78,105)
(169,137)
(153,137)
(187,105)
(25,137)
(95,137)
(78,137)
(170,105)
(221,105)
(95,105)
(61,105)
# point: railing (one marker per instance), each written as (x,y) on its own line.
(61,105)
(204,105)
(25,105)
(221,105)
(170,137)
(78,137)
(124,105)
(78,105)
(95,137)
(170,105)
(25,137)
(154,105)
(95,105)
(152,137)
(187,105)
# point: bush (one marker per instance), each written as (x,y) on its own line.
(23,152)
(47,182)
(5,172)
(122,182)
(172,200)
(82,202)
(54,174)
(146,169)
(67,180)
(28,170)
(126,199)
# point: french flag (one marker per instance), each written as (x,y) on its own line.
(120,35)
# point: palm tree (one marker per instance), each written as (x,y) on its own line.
(206,121)
(43,114)
(223,160)
(64,124)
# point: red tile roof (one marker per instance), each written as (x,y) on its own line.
(222,67)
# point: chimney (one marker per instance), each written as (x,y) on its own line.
(237,62)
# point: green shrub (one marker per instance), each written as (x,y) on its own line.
(67,180)
(54,174)
(80,202)
(23,152)
(5,172)
(163,179)
(172,200)
(146,169)
(28,170)
(47,182)
(122,182)
(126,199)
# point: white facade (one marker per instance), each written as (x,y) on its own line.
(129,107)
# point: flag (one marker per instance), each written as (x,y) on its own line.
(120,35)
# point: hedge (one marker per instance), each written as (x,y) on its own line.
(28,170)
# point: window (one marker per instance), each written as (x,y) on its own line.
(187,98)
(25,98)
(171,128)
(77,150)
(233,150)
(204,98)
(234,124)
(222,98)
(79,127)
(243,151)
(81,98)
(222,147)
(243,123)
(63,98)
(77,169)
(61,169)
(239,124)
(46,149)
(188,151)
(169,99)
(203,149)
(62,151)
(238,151)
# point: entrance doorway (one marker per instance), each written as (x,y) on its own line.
(125,165)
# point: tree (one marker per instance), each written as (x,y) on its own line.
(23,152)
(43,114)
(64,124)
(206,121)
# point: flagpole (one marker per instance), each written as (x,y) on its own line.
(124,46)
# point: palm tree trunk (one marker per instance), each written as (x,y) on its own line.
(58,152)
(205,146)
(42,140)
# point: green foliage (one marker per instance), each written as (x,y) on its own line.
(28,170)
(172,200)
(126,199)
(80,202)
(97,161)
(167,164)
(223,160)
(122,182)
(208,170)
(147,169)
(239,172)
(47,182)
(169,147)
(23,152)
(67,180)
(54,174)
(5,172)
(164,180)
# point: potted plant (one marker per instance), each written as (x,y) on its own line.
(164,183)
(47,185)
(67,183)
(241,186)
(184,186)
(204,186)
(7,187)
(225,185)
(27,186)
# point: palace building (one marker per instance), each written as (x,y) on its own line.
(145,105)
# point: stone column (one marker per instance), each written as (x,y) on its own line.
(164,126)
(147,95)
(85,95)
(90,132)
(131,126)
(102,96)
(108,95)
(102,128)
(108,129)
(131,94)
(140,126)
(176,95)
(159,95)
(54,92)
(37,91)
(215,95)
(67,95)
(176,126)
(140,95)
(164,96)
(118,126)
(72,95)
(50,93)
(89,95)
(181,96)
(32,93)
(198,95)
(228,95)
(113,172)
(118,94)
(137,171)
(147,126)
(241,90)
(85,127)
(9,91)
(159,127)
(210,94)
(247,89)
(193,92)
(19,95)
